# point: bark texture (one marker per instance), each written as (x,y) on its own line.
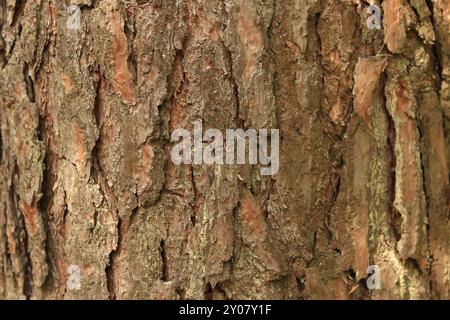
(86,177)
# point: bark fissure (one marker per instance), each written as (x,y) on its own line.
(110,271)
(87,179)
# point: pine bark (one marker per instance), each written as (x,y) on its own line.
(86,177)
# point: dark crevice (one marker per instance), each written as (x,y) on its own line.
(181,292)
(228,57)
(65,209)
(234,85)
(424,166)
(195,200)
(413,264)
(28,283)
(95,166)
(301,285)
(436,48)
(208,293)
(29,83)
(18,10)
(109,270)
(395,215)
(174,88)
(3,59)
(211,293)
(356,289)
(165,271)
(130,33)
(2,14)
(110,277)
(46,201)
(193,220)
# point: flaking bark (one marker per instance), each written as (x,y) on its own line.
(86,177)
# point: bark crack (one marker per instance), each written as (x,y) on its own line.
(110,270)
(165,272)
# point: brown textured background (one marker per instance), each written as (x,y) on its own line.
(86,178)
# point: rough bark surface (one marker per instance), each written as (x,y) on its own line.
(86,177)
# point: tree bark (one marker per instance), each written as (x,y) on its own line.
(86,177)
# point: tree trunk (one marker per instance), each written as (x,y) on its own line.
(87,181)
